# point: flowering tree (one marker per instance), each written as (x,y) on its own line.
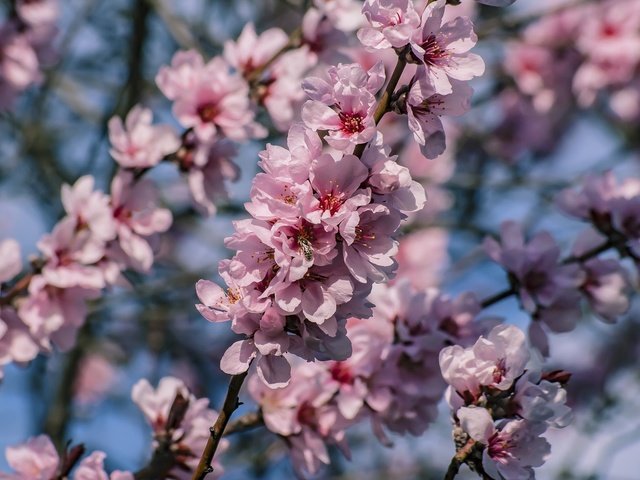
(405,259)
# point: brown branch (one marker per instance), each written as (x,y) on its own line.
(245,422)
(458,459)
(385,100)
(231,403)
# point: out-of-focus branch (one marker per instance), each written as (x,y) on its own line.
(246,422)
(231,403)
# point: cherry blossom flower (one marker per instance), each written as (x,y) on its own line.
(137,218)
(539,278)
(37,459)
(425,107)
(92,468)
(193,432)
(251,51)
(89,207)
(343,14)
(393,23)
(511,450)
(444,49)
(139,144)
(208,98)
(39,12)
(351,91)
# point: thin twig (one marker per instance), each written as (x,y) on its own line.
(231,403)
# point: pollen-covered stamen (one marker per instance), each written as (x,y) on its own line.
(288,196)
(429,105)
(500,371)
(208,112)
(233,295)
(364,235)
(498,447)
(331,201)
(351,122)
(433,52)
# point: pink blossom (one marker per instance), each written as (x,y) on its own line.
(423,271)
(192,434)
(496,361)
(96,377)
(543,401)
(89,207)
(320,36)
(207,181)
(208,98)
(137,217)
(139,144)
(19,65)
(343,14)
(37,459)
(351,91)
(38,12)
(393,23)
(425,107)
(16,342)
(72,254)
(55,314)
(511,449)
(534,266)
(10,261)
(92,468)
(444,49)
(251,51)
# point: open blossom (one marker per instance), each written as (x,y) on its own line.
(495,361)
(208,98)
(344,106)
(343,14)
(251,51)
(37,459)
(89,207)
(92,468)
(192,434)
(137,143)
(39,12)
(444,49)
(511,449)
(393,22)
(425,107)
(538,276)
(304,416)
(137,218)
(10,260)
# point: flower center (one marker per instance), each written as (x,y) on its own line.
(351,122)
(433,52)
(208,112)
(331,202)
(341,373)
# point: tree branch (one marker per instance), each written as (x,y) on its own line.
(231,403)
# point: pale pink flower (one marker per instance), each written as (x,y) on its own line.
(10,261)
(444,49)
(55,314)
(511,449)
(72,254)
(535,267)
(320,36)
(19,66)
(193,433)
(89,207)
(38,12)
(345,15)
(207,182)
(92,468)
(425,107)
(208,98)
(350,91)
(37,459)
(393,23)
(420,269)
(543,402)
(137,217)
(16,342)
(251,51)
(137,143)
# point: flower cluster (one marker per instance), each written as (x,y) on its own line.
(589,50)
(99,237)
(25,45)
(549,289)
(390,379)
(37,459)
(184,434)
(502,403)
(322,231)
